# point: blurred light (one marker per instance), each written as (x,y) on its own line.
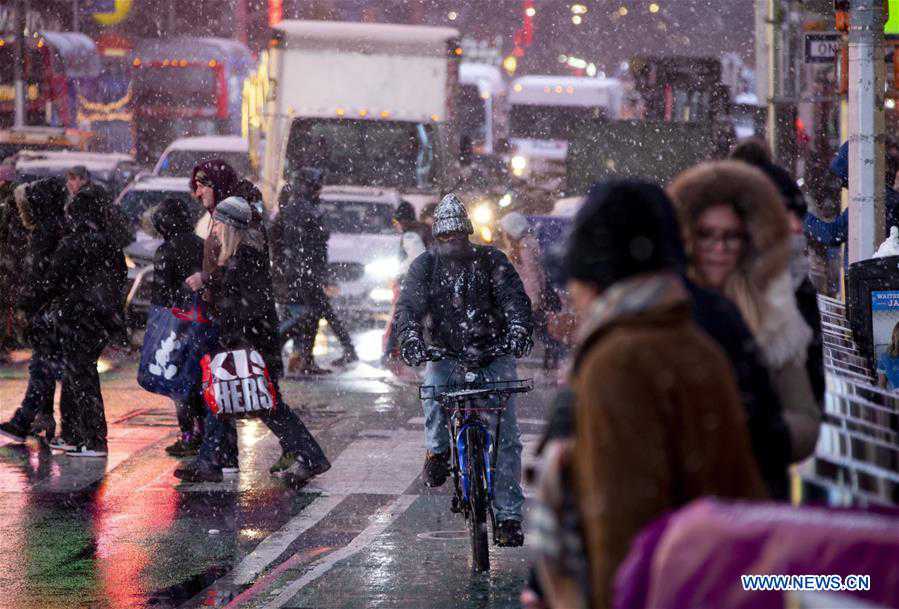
(510,64)
(558,88)
(363,112)
(165,62)
(622,11)
(381,295)
(591,69)
(890,103)
(654,8)
(576,19)
(458,51)
(518,87)
(341,112)
(577,62)
(213,63)
(130,263)
(3,42)
(136,62)
(385,114)
(578,9)
(103,365)
(519,164)
(563,58)
(505,200)
(485,95)
(486,234)
(40,43)
(530,11)
(183,63)
(383,268)
(435,117)
(482,214)
(570,90)
(452,16)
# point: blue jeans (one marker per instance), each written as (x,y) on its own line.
(507,495)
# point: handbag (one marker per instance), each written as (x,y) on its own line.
(237,384)
(174,343)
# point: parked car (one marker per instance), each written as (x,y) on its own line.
(185,153)
(111,170)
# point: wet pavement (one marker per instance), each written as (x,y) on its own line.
(123,532)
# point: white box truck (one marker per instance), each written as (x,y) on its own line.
(371,104)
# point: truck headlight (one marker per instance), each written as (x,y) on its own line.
(519,164)
(383,268)
(381,295)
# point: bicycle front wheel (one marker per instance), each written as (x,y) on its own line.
(477,498)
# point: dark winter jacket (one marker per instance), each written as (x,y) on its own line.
(118,226)
(768,433)
(470,304)
(807,301)
(299,249)
(13,251)
(41,212)
(246,306)
(81,300)
(179,257)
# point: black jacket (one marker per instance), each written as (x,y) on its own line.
(41,212)
(81,300)
(177,259)
(469,304)
(299,246)
(246,306)
(768,433)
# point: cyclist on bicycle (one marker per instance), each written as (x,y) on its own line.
(475,302)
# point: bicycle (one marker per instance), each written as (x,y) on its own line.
(473,450)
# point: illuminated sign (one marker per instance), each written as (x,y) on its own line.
(121,10)
(275,11)
(892,26)
(8,93)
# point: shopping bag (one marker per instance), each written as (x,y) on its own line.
(174,343)
(236,383)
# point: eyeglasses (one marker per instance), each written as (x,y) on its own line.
(731,241)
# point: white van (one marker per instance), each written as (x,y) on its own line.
(180,158)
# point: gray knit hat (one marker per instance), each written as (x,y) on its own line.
(234,211)
(451,217)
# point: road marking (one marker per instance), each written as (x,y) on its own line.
(383,464)
(274,545)
(294,561)
(381,520)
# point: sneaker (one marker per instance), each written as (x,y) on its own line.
(436,468)
(184,449)
(231,466)
(284,463)
(13,433)
(198,472)
(84,451)
(62,445)
(300,473)
(508,534)
(346,359)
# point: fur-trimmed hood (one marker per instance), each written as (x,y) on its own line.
(760,287)
(41,203)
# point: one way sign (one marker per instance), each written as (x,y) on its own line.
(821,48)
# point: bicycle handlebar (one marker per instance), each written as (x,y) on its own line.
(436,354)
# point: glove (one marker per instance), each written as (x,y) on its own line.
(413,351)
(518,341)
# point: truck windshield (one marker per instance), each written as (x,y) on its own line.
(357,217)
(550,122)
(181,163)
(372,153)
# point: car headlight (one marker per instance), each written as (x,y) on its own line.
(505,200)
(519,164)
(482,214)
(383,268)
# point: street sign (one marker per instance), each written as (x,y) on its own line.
(821,47)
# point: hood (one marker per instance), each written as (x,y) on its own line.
(757,201)
(219,175)
(87,211)
(172,218)
(42,202)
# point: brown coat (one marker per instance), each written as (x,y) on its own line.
(659,423)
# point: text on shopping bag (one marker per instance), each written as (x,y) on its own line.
(237,383)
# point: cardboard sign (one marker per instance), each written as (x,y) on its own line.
(236,383)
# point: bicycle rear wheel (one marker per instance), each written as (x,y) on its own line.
(477,498)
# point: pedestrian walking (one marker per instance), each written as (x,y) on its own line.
(40,208)
(79,179)
(179,256)
(658,418)
(13,247)
(245,310)
(80,305)
(526,255)
(299,251)
(737,235)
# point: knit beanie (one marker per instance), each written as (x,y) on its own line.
(624,228)
(235,212)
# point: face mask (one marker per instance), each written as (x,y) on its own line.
(454,249)
(799,264)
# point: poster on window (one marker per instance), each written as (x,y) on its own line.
(885,329)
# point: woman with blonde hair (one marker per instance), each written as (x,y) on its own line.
(241,291)
(737,237)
